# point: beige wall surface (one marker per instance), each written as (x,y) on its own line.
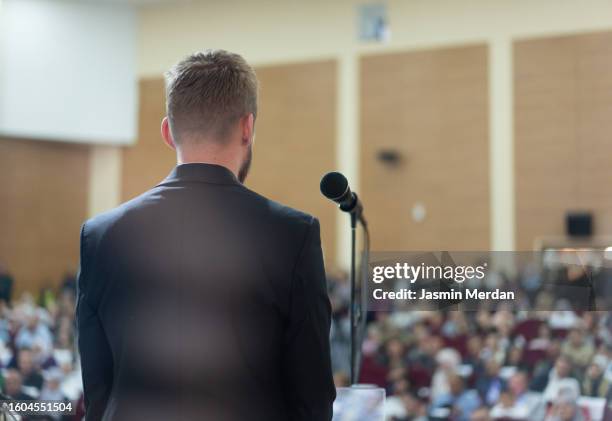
(267,31)
(294,145)
(563,126)
(273,31)
(150,160)
(437,122)
(43,202)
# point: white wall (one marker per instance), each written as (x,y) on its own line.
(68,71)
(271,31)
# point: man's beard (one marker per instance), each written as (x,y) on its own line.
(246,165)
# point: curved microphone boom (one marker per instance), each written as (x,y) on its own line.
(335,187)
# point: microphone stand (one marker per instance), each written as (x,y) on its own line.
(4,411)
(353,316)
(335,187)
(3,415)
(356,315)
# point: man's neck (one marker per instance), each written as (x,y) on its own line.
(223,159)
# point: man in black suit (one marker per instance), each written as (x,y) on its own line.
(200,299)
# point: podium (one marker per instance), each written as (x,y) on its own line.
(359,403)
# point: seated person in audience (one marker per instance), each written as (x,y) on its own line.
(474,346)
(27,367)
(578,348)
(448,360)
(561,370)
(424,354)
(604,329)
(34,331)
(565,408)
(462,402)
(455,325)
(43,356)
(518,402)
(544,366)
(542,341)
(517,358)
(13,385)
(63,350)
(51,390)
(595,383)
(395,353)
(490,384)
(494,347)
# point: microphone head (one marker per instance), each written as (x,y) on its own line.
(334,185)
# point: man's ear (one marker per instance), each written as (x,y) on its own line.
(167,134)
(247,125)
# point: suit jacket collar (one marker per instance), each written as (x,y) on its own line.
(205,173)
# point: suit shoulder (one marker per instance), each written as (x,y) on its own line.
(99,224)
(282,214)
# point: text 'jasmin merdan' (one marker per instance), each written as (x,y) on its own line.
(413,273)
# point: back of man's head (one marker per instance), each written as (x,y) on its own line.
(207,93)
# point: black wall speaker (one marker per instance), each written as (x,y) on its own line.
(390,157)
(579,224)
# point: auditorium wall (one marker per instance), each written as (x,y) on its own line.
(272,34)
(563,133)
(295,140)
(434,193)
(43,202)
(167,32)
(150,160)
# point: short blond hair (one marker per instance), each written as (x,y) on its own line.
(208,92)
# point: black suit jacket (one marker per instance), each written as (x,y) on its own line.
(202,300)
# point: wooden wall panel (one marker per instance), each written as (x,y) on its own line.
(295,140)
(563,133)
(294,146)
(149,161)
(431,106)
(43,202)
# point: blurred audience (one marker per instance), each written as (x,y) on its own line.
(38,358)
(499,362)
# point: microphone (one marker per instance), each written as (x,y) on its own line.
(335,187)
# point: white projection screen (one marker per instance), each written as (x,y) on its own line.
(68,71)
